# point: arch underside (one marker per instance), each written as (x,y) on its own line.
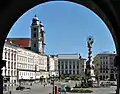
(95,6)
(107,10)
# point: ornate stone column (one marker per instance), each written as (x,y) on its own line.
(89,71)
(2,64)
(116,63)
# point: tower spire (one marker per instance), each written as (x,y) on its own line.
(35,15)
(37,35)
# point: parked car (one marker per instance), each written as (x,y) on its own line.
(67,88)
(20,88)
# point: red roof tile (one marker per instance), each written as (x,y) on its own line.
(22,42)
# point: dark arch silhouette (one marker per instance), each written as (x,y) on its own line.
(107,10)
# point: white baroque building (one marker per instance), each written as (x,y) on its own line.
(10,56)
(53,65)
(23,64)
(31,65)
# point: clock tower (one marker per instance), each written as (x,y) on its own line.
(37,36)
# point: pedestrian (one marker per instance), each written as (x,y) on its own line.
(10,92)
(30,84)
(44,85)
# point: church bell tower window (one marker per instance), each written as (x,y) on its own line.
(34,28)
(34,45)
(35,35)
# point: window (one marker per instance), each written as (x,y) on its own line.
(5,55)
(66,66)
(34,35)
(14,56)
(77,71)
(11,65)
(34,28)
(73,66)
(14,65)
(11,56)
(106,67)
(62,72)
(8,72)
(106,77)
(62,66)
(70,66)
(8,55)
(100,77)
(12,73)
(106,62)
(106,71)
(8,64)
(69,71)
(34,45)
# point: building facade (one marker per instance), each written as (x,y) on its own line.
(10,56)
(23,64)
(71,65)
(31,65)
(53,65)
(37,36)
(104,66)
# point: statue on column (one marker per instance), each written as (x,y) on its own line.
(89,71)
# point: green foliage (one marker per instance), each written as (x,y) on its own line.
(74,78)
(62,77)
(80,90)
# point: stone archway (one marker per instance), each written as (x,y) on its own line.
(105,9)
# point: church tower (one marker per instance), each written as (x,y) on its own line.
(37,36)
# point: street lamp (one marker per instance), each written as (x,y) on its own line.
(53,83)
(35,70)
(59,70)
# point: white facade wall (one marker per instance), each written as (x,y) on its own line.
(10,56)
(56,65)
(43,66)
(31,65)
(70,64)
(53,65)
(26,64)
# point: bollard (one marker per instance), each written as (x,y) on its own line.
(56,89)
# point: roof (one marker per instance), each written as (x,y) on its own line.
(68,56)
(22,42)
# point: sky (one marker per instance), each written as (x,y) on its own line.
(67,26)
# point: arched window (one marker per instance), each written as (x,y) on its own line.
(34,45)
(34,28)
(34,35)
(100,77)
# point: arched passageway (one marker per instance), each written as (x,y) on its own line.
(107,10)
